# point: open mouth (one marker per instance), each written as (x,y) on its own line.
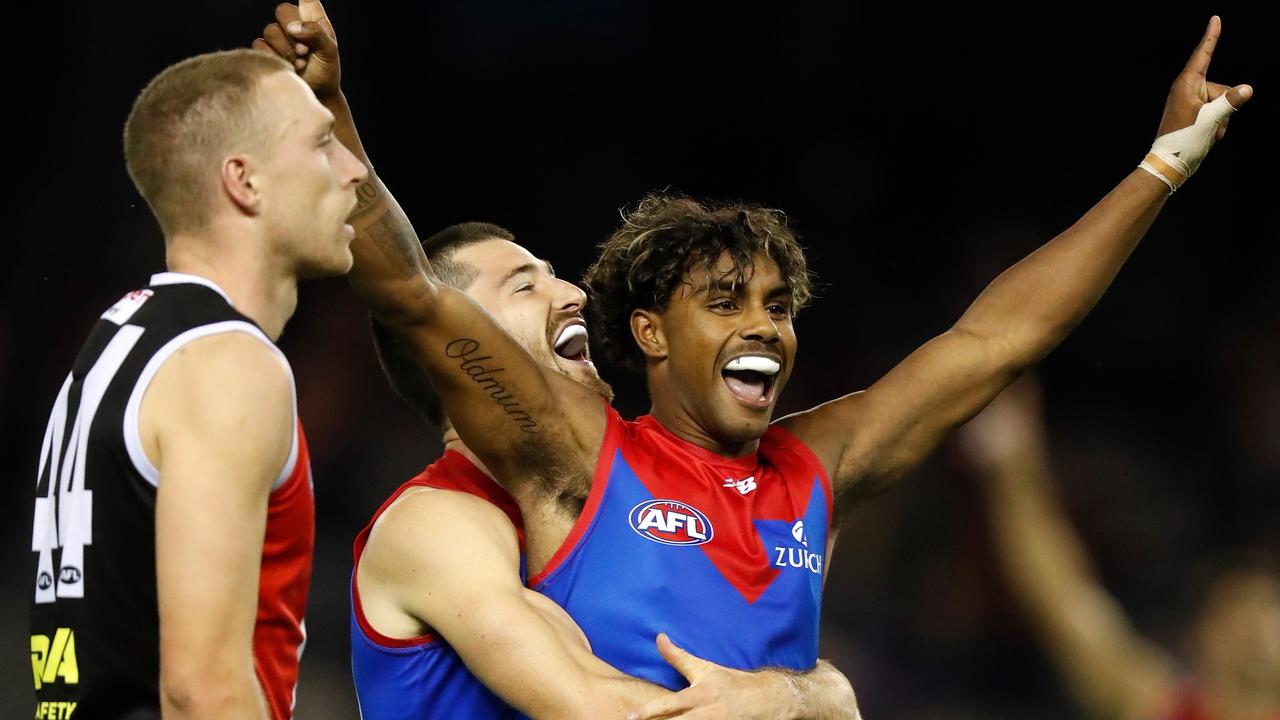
(571,344)
(750,379)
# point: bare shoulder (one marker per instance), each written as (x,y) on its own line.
(220,391)
(826,429)
(235,364)
(428,532)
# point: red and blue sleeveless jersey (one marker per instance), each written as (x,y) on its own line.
(725,555)
(423,678)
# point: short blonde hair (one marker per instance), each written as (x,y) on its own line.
(186,119)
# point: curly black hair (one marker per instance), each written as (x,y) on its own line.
(667,237)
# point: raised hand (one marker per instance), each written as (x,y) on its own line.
(1192,89)
(1195,115)
(304,37)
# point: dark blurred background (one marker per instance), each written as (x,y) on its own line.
(917,151)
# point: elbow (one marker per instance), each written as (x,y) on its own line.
(1008,352)
(415,304)
(204,692)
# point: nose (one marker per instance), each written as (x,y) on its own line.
(569,298)
(356,171)
(758,325)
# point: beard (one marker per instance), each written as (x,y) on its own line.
(584,375)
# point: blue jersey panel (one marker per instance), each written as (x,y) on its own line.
(731,576)
(420,682)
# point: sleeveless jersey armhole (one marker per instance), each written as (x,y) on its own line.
(787,441)
(371,633)
(132,435)
(609,448)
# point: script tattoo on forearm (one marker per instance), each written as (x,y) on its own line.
(468,352)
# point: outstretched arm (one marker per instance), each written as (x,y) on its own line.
(451,561)
(868,440)
(1111,670)
(500,399)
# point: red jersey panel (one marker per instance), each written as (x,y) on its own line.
(280,633)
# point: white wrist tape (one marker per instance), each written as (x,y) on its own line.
(1175,156)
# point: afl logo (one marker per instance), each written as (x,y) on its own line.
(670,522)
(70,575)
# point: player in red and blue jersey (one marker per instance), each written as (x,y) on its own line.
(453,538)
(702,299)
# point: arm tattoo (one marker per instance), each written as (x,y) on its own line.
(395,238)
(467,350)
(367,196)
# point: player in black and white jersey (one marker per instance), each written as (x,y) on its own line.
(173,520)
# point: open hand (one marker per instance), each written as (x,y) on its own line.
(716,692)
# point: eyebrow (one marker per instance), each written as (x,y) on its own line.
(525,268)
(726,285)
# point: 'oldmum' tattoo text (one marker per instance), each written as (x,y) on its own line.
(472,363)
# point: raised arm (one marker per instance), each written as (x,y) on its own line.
(1112,671)
(870,439)
(451,562)
(217,422)
(498,397)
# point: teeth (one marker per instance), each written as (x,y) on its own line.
(569,334)
(754,363)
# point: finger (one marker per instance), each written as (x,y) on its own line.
(1213,90)
(1199,62)
(684,663)
(314,36)
(261,46)
(287,13)
(313,11)
(1239,95)
(274,36)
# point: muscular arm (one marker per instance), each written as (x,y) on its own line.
(217,422)
(1112,671)
(507,407)
(868,440)
(449,562)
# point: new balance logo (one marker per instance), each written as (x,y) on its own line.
(742,486)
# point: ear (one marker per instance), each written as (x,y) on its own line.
(646,328)
(240,183)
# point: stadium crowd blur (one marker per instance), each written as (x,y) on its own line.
(917,153)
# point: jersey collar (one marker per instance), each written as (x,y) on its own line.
(175,278)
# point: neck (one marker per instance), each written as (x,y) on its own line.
(260,287)
(679,415)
